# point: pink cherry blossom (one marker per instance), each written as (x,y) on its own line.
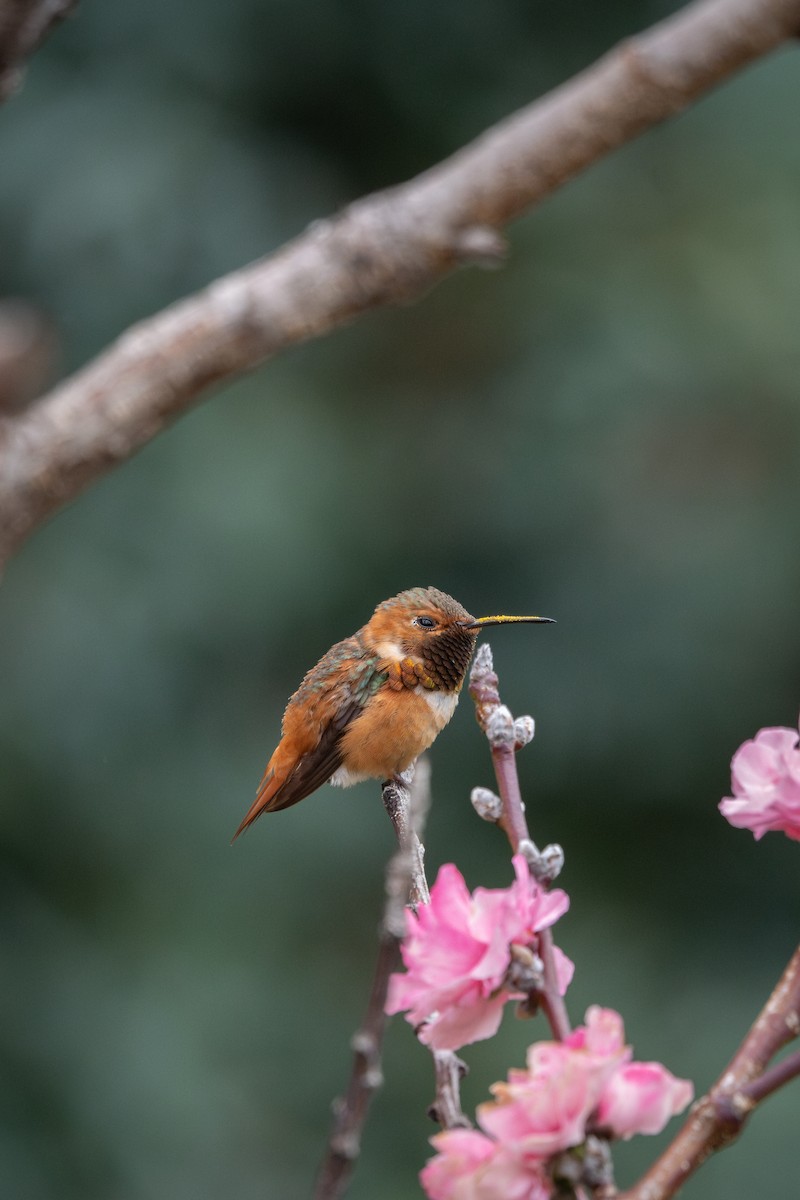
(545,1109)
(641,1098)
(766,784)
(457,953)
(586,1081)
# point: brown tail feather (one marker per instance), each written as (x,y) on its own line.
(270,785)
(299,765)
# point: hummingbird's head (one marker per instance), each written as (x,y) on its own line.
(428,624)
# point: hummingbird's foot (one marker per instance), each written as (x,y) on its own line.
(404,779)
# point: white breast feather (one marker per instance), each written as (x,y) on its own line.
(442,703)
(341,777)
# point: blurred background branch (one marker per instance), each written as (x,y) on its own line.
(28,353)
(24,24)
(388,248)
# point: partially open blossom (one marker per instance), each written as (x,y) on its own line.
(766,784)
(586,1081)
(457,952)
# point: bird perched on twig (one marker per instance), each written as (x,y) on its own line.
(375,701)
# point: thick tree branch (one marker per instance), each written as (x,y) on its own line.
(389,247)
(24,24)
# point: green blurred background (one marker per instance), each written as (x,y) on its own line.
(607,431)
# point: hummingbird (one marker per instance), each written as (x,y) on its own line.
(376,700)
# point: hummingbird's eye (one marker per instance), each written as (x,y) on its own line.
(425,622)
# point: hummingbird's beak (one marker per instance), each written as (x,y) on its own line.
(482,622)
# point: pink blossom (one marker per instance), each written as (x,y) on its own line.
(545,1109)
(470,1166)
(586,1081)
(641,1098)
(766,784)
(457,953)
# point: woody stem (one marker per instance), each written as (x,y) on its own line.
(402,800)
(407,805)
(772,1079)
(497,723)
(402,803)
(513,820)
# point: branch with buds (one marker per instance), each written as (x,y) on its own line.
(507,736)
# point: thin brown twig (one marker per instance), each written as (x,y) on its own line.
(350,1110)
(773,1078)
(407,801)
(503,734)
(446,1108)
(449,1069)
(387,248)
(718,1117)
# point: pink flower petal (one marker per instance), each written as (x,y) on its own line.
(450,899)
(461,1153)
(460,1024)
(641,1098)
(565,969)
(469,1166)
